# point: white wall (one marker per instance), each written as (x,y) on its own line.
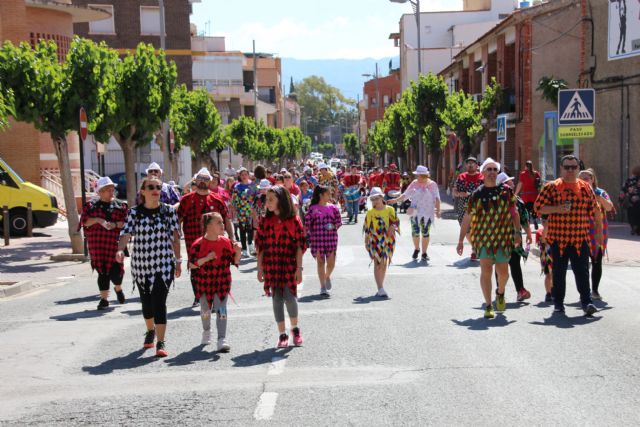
(217,68)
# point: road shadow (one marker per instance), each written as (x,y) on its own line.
(509,305)
(196,354)
(86,314)
(482,324)
(414,264)
(79,300)
(370,299)
(464,263)
(132,312)
(130,361)
(313,298)
(562,321)
(184,312)
(260,357)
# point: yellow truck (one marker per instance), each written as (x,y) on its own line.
(16,193)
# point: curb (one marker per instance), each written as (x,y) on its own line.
(69,257)
(17,288)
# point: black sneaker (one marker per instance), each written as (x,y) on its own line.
(103,304)
(415,254)
(590,309)
(120,295)
(558,309)
(548,298)
(195,302)
(425,257)
(149,338)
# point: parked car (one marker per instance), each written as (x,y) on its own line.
(15,193)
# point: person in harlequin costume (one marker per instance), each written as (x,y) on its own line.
(493,222)
(322,222)
(380,227)
(280,243)
(195,204)
(243,193)
(102,221)
(465,185)
(210,259)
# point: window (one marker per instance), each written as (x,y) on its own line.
(386,100)
(150,20)
(104,26)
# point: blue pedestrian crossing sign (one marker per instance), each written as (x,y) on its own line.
(501,128)
(576,107)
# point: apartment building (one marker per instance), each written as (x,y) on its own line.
(378,94)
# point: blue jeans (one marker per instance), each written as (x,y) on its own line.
(580,268)
(353,208)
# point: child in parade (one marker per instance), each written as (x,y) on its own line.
(280,244)
(321,226)
(380,227)
(243,193)
(545,261)
(210,259)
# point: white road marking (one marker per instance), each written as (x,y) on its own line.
(277,366)
(266,406)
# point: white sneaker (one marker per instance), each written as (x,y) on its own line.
(245,254)
(252,249)
(206,337)
(223,347)
(382,294)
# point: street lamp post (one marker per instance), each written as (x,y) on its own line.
(416,9)
(166,156)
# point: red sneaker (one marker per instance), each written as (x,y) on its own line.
(283,341)
(523,295)
(297,337)
(160,350)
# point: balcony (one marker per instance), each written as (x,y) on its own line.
(508,104)
(225,90)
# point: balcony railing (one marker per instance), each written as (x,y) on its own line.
(211,84)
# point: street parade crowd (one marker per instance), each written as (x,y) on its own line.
(273,218)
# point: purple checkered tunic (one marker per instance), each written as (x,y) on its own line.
(321,226)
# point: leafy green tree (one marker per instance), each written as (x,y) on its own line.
(462,115)
(196,123)
(295,141)
(321,104)
(48,94)
(352,147)
(6,106)
(550,86)
(145,83)
(243,134)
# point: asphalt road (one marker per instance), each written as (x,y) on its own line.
(425,356)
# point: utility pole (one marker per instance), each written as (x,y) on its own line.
(255,83)
(166,145)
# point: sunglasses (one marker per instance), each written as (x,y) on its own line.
(153,171)
(570,167)
(153,187)
(491,169)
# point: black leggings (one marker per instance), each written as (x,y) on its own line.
(596,271)
(633,214)
(114,275)
(154,303)
(246,235)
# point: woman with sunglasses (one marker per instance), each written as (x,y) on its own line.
(155,257)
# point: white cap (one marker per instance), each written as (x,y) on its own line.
(322,166)
(307,169)
(153,166)
(375,192)
(487,163)
(264,184)
(283,170)
(502,178)
(204,172)
(104,181)
(421,170)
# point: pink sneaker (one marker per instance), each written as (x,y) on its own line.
(523,295)
(283,341)
(297,337)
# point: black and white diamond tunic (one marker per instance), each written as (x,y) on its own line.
(152,255)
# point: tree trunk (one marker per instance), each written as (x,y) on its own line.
(434,165)
(62,152)
(128,147)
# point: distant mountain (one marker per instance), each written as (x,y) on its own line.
(345,74)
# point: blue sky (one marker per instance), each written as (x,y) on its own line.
(309,29)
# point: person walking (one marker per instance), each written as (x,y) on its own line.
(380,227)
(529,183)
(280,244)
(155,257)
(168,195)
(466,183)
(352,183)
(102,220)
(210,259)
(328,179)
(322,222)
(243,193)
(195,204)
(630,200)
(597,251)
(570,203)
(493,223)
(391,184)
(425,207)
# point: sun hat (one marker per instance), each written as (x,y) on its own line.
(487,163)
(502,178)
(204,172)
(153,166)
(264,184)
(104,181)
(323,166)
(375,192)
(421,170)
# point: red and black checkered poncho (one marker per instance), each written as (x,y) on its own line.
(278,241)
(103,243)
(192,207)
(213,277)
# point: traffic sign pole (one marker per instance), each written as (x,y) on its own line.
(83,136)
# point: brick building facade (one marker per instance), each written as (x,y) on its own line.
(389,92)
